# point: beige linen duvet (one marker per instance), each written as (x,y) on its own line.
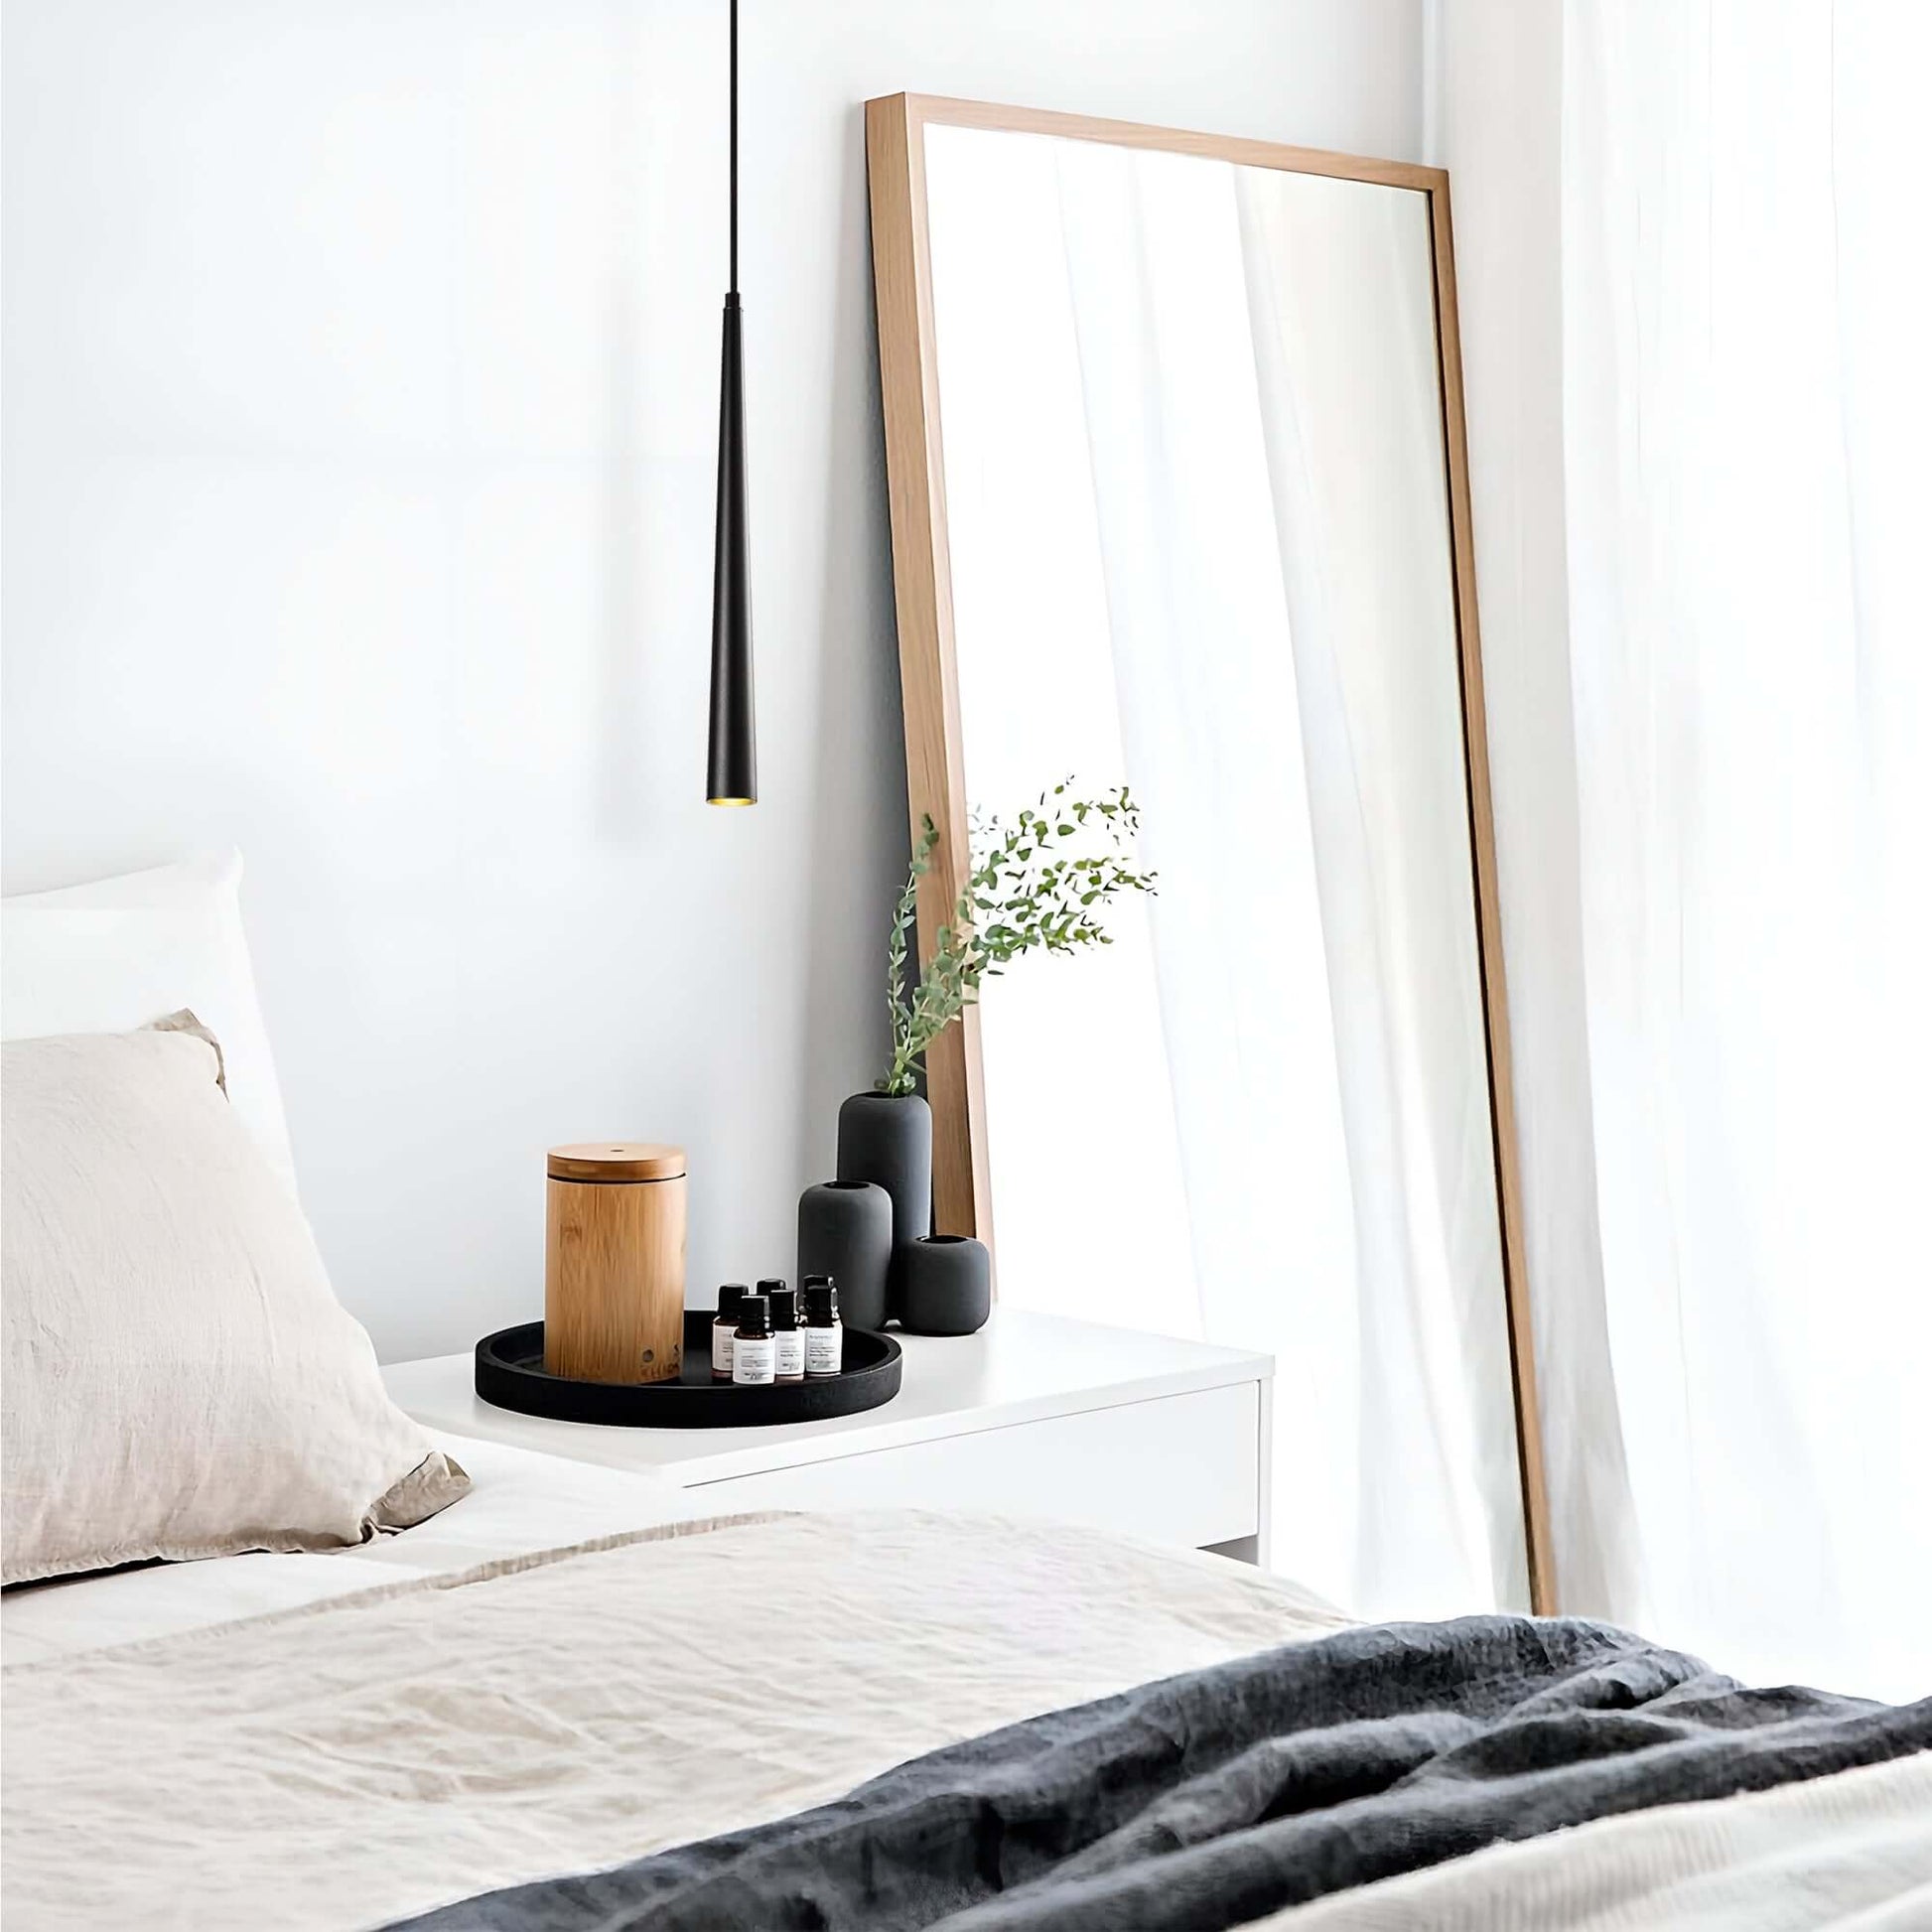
(346,1763)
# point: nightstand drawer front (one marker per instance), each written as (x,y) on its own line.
(1181,1470)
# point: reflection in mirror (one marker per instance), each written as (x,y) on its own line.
(1196,502)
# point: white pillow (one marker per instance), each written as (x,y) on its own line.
(181,1379)
(120,953)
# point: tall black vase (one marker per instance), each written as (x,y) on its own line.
(888,1138)
(844,1230)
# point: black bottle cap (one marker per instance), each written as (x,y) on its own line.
(770,1285)
(784,1307)
(811,1279)
(821,1301)
(754,1317)
(730,1297)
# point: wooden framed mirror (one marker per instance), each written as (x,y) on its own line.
(1180,498)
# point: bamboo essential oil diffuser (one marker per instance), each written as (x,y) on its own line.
(614,1262)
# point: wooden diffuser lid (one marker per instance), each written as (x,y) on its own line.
(616,1160)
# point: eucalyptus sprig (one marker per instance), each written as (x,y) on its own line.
(1038,884)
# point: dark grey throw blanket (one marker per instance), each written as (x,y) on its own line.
(1208,1800)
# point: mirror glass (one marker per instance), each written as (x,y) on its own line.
(1196,504)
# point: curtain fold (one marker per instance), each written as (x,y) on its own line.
(1746,437)
(1497,124)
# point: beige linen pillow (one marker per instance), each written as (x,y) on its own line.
(180,1379)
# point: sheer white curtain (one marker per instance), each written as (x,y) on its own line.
(1747,434)
(1198,539)
(1254,467)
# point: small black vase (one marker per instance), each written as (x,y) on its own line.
(945,1286)
(844,1230)
(888,1139)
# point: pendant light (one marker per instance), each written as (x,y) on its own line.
(731,770)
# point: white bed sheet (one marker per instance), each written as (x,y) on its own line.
(1851,1853)
(519,1501)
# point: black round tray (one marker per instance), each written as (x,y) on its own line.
(510,1374)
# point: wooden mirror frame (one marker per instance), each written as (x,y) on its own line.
(922,590)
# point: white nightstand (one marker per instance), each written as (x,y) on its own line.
(1035,1416)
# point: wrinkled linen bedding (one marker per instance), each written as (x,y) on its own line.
(1214,1798)
(348,1763)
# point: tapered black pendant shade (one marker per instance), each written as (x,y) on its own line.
(731,771)
(732,767)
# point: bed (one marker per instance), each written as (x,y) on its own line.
(341,1741)
(552,1697)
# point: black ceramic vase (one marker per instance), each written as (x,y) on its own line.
(844,1230)
(888,1139)
(945,1286)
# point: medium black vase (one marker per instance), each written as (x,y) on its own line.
(945,1286)
(888,1138)
(844,1230)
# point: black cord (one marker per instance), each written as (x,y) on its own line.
(733,145)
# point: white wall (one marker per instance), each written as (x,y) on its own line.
(361,366)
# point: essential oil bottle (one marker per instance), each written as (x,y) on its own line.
(787,1338)
(725,1330)
(824,1335)
(751,1350)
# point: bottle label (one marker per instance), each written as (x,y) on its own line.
(824,1350)
(752,1361)
(788,1352)
(721,1349)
